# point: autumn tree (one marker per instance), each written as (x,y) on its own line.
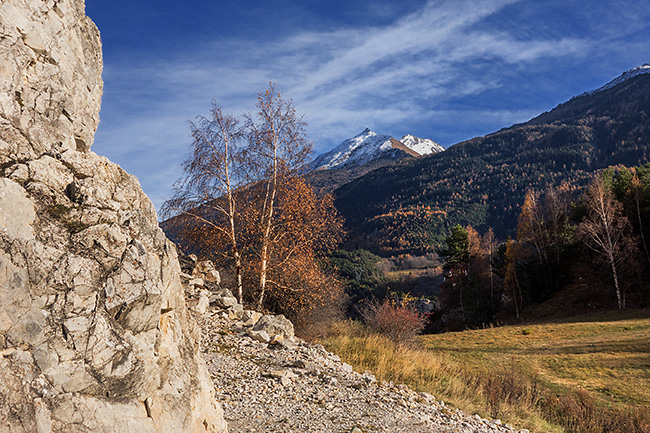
(278,150)
(489,246)
(544,233)
(544,222)
(604,230)
(469,289)
(511,284)
(305,229)
(244,196)
(482,284)
(632,188)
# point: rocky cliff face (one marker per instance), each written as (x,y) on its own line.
(94,332)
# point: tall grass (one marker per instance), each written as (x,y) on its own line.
(509,390)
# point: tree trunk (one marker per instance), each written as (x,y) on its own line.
(238,266)
(638,214)
(268,216)
(621,302)
(517,290)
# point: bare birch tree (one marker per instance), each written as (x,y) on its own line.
(604,229)
(207,193)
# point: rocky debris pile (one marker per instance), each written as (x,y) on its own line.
(284,384)
(201,281)
(201,274)
(94,330)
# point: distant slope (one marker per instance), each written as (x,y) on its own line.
(411,206)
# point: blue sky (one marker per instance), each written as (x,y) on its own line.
(448,70)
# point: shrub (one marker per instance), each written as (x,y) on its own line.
(399,322)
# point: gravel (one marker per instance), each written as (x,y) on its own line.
(300,387)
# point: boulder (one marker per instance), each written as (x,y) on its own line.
(275,326)
(260,336)
(285,342)
(206,271)
(250,317)
(223,301)
(204,302)
(223,298)
(94,331)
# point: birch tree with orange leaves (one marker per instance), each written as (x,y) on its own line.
(277,151)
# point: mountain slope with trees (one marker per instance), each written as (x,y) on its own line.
(410,207)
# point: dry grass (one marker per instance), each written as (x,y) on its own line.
(587,375)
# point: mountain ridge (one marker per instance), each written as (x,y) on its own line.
(410,207)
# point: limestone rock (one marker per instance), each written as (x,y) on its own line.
(260,336)
(95,334)
(224,301)
(275,326)
(50,78)
(205,270)
(250,317)
(204,302)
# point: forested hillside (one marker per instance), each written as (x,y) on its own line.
(411,206)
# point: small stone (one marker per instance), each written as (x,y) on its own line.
(213,276)
(276,374)
(250,317)
(286,343)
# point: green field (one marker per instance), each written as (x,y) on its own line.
(588,374)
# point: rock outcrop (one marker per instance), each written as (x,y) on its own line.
(94,332)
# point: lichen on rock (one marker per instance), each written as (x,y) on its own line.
(94,331)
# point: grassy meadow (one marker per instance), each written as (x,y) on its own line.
(588,374)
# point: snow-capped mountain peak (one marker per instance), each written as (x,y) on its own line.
(369,146)
(357,150)
(423,146)
(639,70)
